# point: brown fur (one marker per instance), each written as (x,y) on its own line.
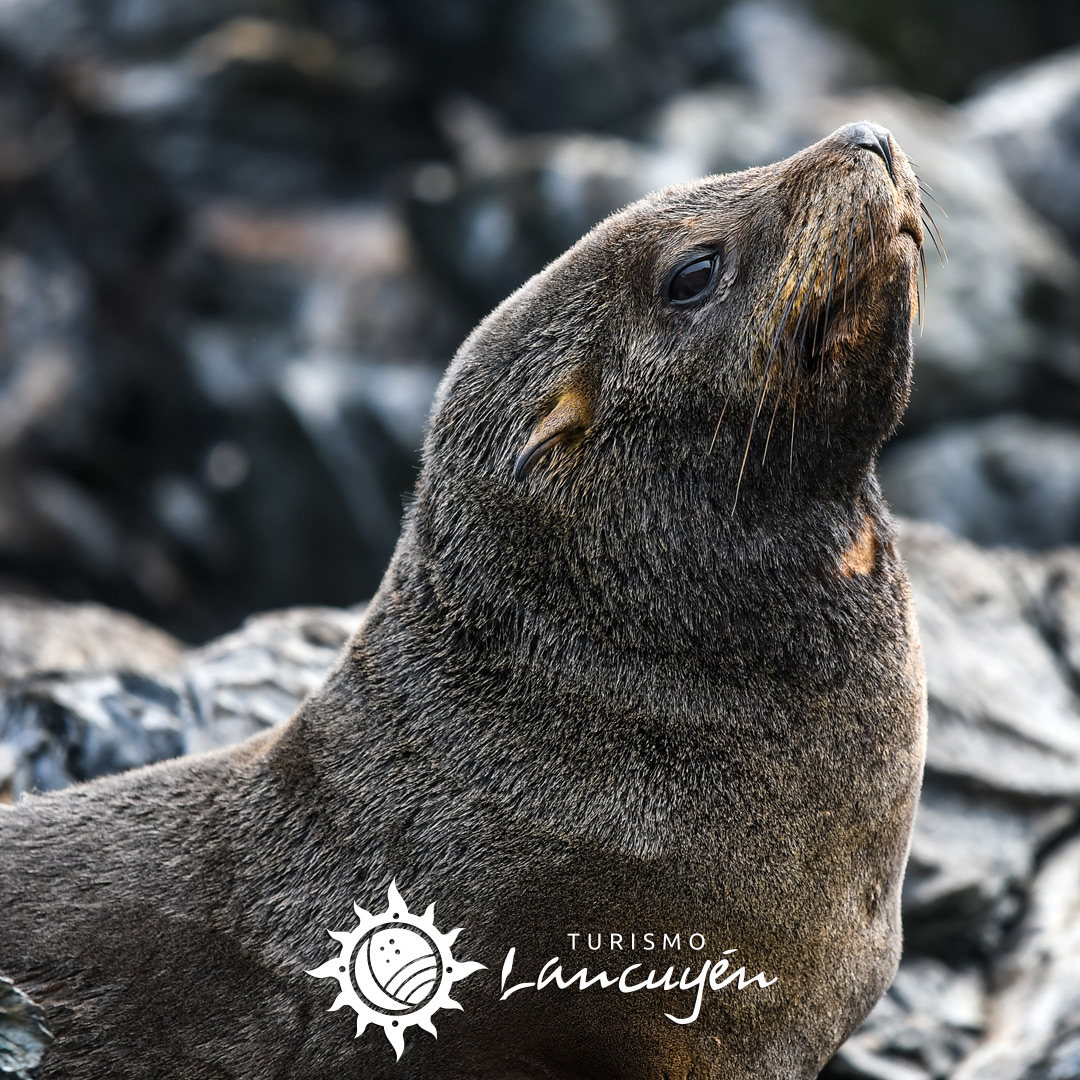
(628,691)
(861,557)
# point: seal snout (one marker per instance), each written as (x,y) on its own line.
(872,137)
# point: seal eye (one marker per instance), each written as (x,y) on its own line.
(692,281)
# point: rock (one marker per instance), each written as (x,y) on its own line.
(1033,1029)
(1003,714)
(1032,120)
(351,346)
(946,50)
(1007,480)
(930,1020)
(254,678)
(511,204)
(40,636)
(973,854)
(1003,755)
(24,1038)
(58,727)
(781,53)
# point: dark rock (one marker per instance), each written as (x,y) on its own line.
(61,721)
(780,52)
(1033,1029)
(24,1039)
(947,49)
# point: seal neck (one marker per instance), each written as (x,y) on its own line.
(611,604)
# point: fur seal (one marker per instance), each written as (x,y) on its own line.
(643,668)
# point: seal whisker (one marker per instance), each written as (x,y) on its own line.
(749,439)
(935,233)
(870,224)
(802,324)
(830,273)
(794,295)
(850,267)
(768,434)
(754,338)
(779,291)
(921,288)
(855,276)
(716,430)
(824,319)
(831,267)
(937,247)
(802,321)
(928,190)
(791,449)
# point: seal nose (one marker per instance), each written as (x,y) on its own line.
(872,137)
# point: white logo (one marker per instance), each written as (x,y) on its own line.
(395,969)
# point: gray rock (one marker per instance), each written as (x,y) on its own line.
(1007,480)
(254,678)
(930,1020)
(41,636)
(24,1038)
(973,854)
(1033,1028)
(1032,120)
(62,726)
(1003,714)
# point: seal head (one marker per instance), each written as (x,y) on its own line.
(698,375)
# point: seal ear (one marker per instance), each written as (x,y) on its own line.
(566,423)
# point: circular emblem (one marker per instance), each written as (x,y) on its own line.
(397,968)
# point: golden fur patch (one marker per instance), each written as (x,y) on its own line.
(861,557)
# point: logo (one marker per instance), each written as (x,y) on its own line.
(395,969)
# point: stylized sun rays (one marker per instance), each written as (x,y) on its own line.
(395,969)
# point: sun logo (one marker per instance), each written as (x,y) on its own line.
(395,969)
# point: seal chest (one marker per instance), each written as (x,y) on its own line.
(643,671)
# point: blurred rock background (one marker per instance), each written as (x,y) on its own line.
(240,240)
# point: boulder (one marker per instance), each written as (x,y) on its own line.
(1010,479)
(111,710)
(1031,119)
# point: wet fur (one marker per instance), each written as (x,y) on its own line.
(636,689)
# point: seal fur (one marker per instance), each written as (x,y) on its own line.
(639,661)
